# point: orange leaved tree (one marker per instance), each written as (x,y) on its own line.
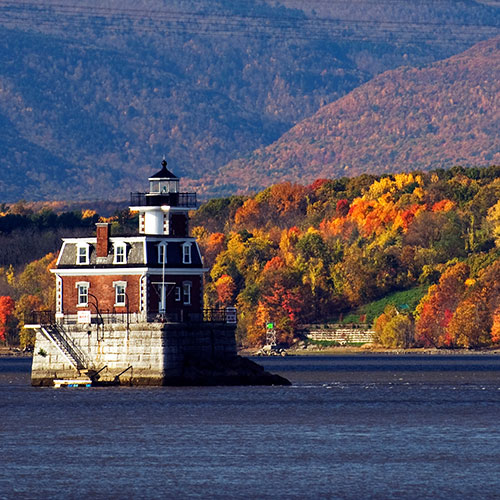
(437,308)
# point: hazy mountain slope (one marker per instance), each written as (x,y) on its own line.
(387,11)
(405,119)
(95,93)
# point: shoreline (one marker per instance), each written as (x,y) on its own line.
(13,352)
(349,351)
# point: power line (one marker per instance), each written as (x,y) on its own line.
(178,22)
(186,26)
(167,14)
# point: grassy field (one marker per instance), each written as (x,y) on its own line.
(406,300)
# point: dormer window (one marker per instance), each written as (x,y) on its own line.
(82,254)
(186,253)
(162,253)
(120,253)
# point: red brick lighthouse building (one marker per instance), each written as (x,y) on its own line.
(155,275)
(129,309)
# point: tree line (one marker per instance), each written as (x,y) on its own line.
(295,254)
(29,243)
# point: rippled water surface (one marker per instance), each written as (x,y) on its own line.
(381,426)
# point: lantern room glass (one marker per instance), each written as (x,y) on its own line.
(164,186)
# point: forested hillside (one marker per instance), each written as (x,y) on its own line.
(296,254)
(445,114)
(92,94)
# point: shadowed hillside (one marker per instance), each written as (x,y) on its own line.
(405,119)
(92,95)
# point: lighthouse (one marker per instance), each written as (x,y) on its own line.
(129,308)
(132,302)
(155,275)
(175,276)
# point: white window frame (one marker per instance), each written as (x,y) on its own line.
(117,285)
(166,223)
(186,293)
(122,255)
(178,295)
(162,253)
(85,254)
(154,186)
(186,253)
(82,285)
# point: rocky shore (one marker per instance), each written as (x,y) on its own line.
(235,371)
(315,350)
(14,352)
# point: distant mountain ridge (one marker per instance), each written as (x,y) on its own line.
(93,95)
(405,119)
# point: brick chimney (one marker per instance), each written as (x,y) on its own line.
(102,233)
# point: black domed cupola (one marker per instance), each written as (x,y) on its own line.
(164,181)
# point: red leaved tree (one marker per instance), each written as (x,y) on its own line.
(342,207)
(225,287)
(7,319)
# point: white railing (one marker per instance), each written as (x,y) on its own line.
(343,334)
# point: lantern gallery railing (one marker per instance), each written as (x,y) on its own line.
(213,315)
(187,200)
(40,318)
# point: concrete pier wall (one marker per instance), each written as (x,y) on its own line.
(153,352)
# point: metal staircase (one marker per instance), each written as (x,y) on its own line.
(66,346)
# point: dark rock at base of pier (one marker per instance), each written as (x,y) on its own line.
(233,371)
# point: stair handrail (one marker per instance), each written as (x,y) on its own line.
(73,349)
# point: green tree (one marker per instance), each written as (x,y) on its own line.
(394,329)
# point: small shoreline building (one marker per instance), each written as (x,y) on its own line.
(129,309)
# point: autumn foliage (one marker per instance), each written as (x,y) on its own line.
(7,318)
(31,289)
(292,254)
(225,288)
(308,254)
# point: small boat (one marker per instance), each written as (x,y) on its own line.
(84,382)
(73,382)
(93,380)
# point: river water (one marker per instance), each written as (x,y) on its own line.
(350,427)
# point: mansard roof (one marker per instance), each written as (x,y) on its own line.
(141,251)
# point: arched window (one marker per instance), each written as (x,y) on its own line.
(120,294)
